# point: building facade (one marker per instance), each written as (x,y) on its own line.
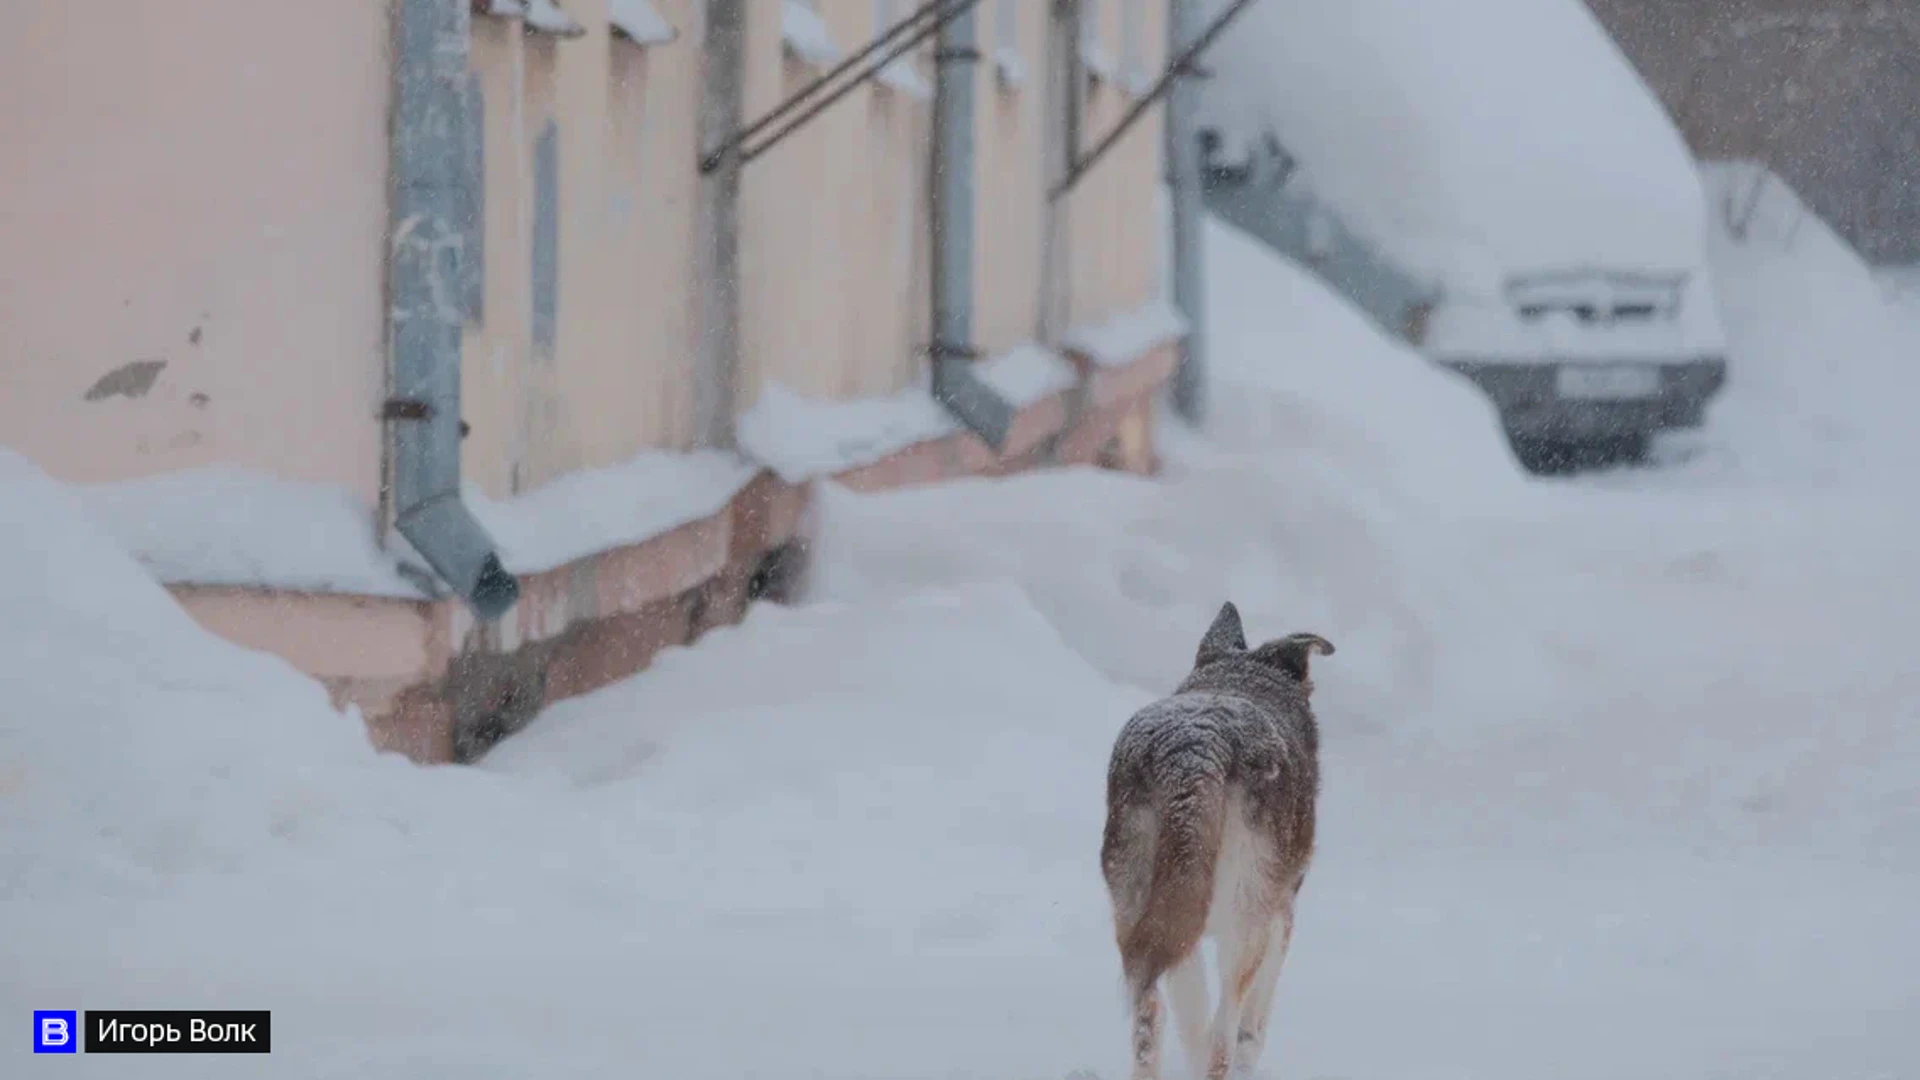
(204,283)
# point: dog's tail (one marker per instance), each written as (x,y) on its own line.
(1163,851)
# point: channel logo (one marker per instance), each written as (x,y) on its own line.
(56,1031)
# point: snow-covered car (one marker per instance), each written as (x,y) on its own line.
(1584,364)
(1492,182)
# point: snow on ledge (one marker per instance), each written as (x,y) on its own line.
(1009,68)
(802,438)
(228,526)
(500,9)
(899,74)
(223,525)
(590,511)
(546,17)
(1121,339)
(805,35)
(1027,373)
(641,23)
(1096,61)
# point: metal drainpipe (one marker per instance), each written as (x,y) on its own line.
(424,316)
(955,386)
(722,105)
(1184,22)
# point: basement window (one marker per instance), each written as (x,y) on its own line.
(641,23)
(804,34)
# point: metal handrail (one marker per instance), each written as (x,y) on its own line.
(1181,66)
(947,10)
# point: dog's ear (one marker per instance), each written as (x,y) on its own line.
(1224,638)
(1291,653)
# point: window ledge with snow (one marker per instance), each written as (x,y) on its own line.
(1009,69)
(546,17)
(500,9)
(641,23)
(804,35)
(900,75)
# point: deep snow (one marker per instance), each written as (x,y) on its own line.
(1620,782)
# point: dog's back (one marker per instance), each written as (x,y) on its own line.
(1210,822)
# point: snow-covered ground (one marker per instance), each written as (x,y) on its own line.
(1620,781)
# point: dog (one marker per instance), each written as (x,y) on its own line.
(1211,794)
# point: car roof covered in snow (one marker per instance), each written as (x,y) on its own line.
(1472,139)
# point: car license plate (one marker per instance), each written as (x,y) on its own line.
(1607,382)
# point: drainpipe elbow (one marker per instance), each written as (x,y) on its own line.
(978,407)
(457,547)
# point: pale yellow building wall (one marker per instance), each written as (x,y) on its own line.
(619,377)
(192,237)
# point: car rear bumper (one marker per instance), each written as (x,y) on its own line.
(1532,405)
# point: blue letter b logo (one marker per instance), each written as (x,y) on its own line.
(56,1031)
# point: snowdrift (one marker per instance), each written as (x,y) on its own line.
(1327,496)
(1299,372)
(1825,364)
(132,740)
(157,781)
(1469,139)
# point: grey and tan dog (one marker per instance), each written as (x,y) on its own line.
(1210,817)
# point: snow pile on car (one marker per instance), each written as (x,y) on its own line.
(1470,139)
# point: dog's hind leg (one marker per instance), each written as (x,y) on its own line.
(1243,951)
(1187,986)
(1259,1008)
(1146,1031)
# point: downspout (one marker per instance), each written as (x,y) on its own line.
(430,166)
(722,106)
(972,402)
(1065,101)
(1183,191)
